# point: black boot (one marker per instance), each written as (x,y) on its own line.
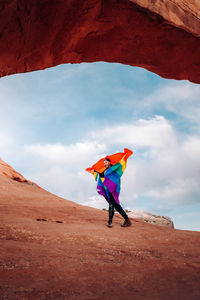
(110,224)
(127,223)
(111,214)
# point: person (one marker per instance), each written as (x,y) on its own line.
(112,203)
(107,172)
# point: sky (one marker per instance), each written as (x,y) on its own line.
(57,122)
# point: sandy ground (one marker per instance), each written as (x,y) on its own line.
(81,258)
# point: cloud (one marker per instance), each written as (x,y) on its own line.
(154,133)
(180,98)
(164,169)
(177,101)
(166,165)
(61,168)
(74,155)
(96,202)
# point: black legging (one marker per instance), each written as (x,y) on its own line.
(112,206)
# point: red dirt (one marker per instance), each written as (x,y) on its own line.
(83,259)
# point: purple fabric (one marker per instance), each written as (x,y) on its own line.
(101,191)
(111,186)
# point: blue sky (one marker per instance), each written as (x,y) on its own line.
(56,122)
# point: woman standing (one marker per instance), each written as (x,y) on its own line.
(107,172)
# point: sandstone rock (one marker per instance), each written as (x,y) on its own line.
(39,34)
(7,172)
(151,218)
(180,13)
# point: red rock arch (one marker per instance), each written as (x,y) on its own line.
(37,34)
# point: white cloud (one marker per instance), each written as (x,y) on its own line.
(154,133)
(96,202)
(61,168)
(74,155)
(163,169)
(166,167)
(181,98)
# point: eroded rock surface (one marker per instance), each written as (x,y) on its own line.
(39,34)
(151,218)
(180,13)
(7,172)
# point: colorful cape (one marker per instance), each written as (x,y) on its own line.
(110,181)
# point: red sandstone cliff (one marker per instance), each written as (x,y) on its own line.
(52,248)
(184,14)
(161,36)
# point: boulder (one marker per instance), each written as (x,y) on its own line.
(151,218)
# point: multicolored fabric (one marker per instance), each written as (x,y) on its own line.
(110,181)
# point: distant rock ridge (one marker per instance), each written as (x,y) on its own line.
(151,218)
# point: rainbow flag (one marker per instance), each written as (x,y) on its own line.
(110,181)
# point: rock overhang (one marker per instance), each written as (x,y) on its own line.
(35,35)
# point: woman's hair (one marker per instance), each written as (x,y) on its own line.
(108,159)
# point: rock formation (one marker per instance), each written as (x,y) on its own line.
(7,172)
(52,248)
(180,13)
(151,218)
(161,36)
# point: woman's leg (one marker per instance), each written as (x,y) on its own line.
(113,205)
(121,211)
(127,221)
(117,207)
(111,212)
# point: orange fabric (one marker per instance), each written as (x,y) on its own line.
(114,159)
